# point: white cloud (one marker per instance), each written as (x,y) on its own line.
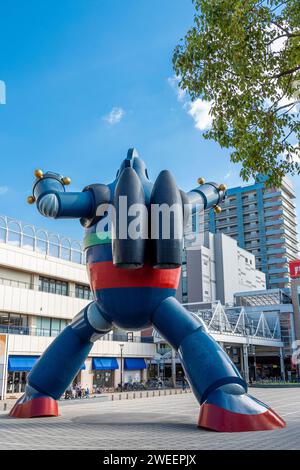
(174,84)
(228,175)
(198,109)
(2,92)
(3,189)
(296,157)
(114,116)
(277,45)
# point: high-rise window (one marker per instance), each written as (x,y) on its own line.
(46,326)
(53,286)
(13,320)
(83,292)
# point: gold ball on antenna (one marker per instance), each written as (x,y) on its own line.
(38,173)
(31,199)
(201,181)
(66,180)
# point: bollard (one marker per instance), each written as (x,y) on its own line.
(147,395)
(126,396)
(5,407)
(159,393)
(112,398)
(120,396)
(141,394)
(165,392)
(153,393)
(133,395)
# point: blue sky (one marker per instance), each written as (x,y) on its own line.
(86,80)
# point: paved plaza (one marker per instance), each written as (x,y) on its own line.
(165,422)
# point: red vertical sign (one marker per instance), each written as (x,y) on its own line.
(295,268)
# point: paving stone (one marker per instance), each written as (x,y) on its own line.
(166,422)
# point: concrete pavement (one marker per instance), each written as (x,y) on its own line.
(165,422)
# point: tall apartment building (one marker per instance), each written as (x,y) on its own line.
(263,221)
(43,285)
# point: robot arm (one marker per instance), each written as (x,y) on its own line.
(52,200)
(206,195)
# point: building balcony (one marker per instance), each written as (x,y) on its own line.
(252,237)
(278,270)
(248,209)
(33,331)
(19,258)
(270,213)
(250,218)
(226,204)
(276,251)
(275,241)
(33,302)
(277,260)
(278,231)
(279,280)
(36,345)
(271,194)
(273,204)
(269,223)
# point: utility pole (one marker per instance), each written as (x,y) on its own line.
(173,362)
(121,347)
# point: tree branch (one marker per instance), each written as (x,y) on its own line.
(287,35)
(288,105)
(278,6)
(279,26)
(287,136)
(286,72)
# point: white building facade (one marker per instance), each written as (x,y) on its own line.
(217,270)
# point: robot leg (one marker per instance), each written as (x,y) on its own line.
(217,384)
(60,363)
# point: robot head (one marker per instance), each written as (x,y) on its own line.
(134,161)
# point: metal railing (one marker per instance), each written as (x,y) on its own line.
(235,321)
(31,238)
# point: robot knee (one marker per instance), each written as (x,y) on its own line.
(90,324)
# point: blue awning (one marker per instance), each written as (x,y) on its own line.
(25,363)
(104,363)
(21,363)
(134,363)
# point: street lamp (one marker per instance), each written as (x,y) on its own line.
(121,348)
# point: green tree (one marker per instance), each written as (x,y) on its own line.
(243,56)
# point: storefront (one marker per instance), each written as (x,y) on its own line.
(104,372)
(133,368)
(18,370)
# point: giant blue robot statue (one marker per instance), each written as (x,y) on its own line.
(134,282)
